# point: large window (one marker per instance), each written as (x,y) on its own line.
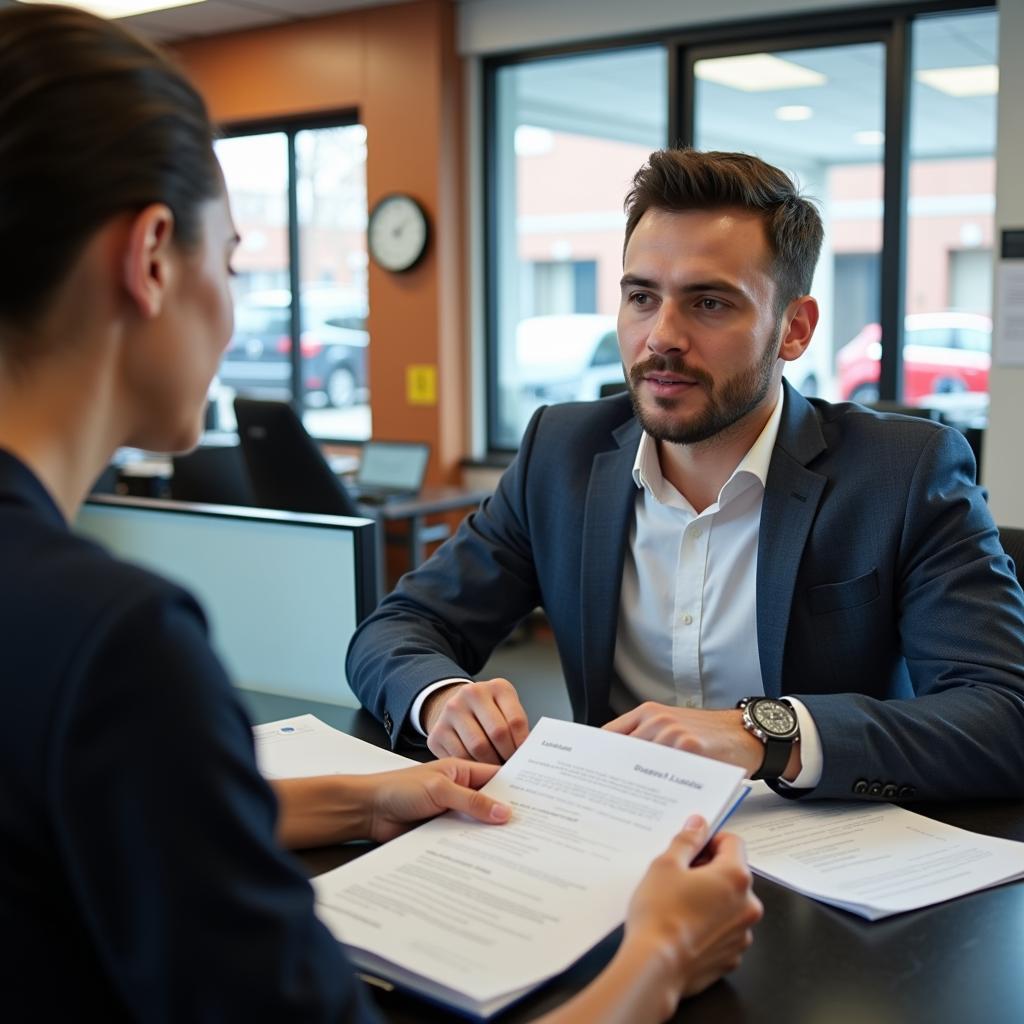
(817,113)
(948,325)
(569,136)
(887,119)
(299,200)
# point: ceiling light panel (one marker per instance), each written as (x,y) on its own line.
(119,8)
(969,80)
(793,112)
(758,72)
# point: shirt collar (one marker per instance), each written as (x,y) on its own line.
(754,465)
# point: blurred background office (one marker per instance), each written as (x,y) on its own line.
(508,130)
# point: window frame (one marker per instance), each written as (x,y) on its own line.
(889,25)
(290,128)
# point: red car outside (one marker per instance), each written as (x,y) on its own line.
(943,353)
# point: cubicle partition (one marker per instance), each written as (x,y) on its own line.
(283,591)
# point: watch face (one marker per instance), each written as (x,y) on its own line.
(776,718)
(397,232)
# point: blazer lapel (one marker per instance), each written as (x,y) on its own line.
(610,499)
(791,498)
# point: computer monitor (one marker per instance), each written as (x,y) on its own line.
(395,467)
(283,592)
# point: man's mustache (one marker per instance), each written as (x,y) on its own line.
(668,364)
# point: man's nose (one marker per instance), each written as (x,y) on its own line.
(668,332)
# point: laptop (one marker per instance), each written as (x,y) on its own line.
(390,471)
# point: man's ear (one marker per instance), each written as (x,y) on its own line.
(801,318)
(147,260)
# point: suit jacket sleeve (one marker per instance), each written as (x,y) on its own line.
(445,618)
(952,723)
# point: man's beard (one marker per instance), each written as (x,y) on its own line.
(727,403)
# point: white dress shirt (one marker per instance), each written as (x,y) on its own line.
(687,632)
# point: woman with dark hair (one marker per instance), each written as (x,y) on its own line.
(140,876)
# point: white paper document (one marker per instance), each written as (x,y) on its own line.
(303,746)
(476,915)
(1008,341)
(873,860)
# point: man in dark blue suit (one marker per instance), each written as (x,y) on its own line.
(815,592)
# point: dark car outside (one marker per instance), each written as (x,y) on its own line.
(333,345)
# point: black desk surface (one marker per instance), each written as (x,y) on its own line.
(960,962)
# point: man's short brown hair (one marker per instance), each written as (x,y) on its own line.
(679,180)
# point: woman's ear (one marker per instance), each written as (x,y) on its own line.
(148,267)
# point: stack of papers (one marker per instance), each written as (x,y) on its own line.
(874,860)
(475,916)
(299,747)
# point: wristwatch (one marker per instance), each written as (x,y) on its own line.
(775,724)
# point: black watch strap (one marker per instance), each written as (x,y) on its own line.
(776,757)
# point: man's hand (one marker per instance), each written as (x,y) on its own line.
(481,721)
(396,801)
(716,734)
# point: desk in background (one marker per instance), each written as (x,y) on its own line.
(955,963)
(151,477)
(431,501)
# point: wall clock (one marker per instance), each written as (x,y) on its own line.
(398,232)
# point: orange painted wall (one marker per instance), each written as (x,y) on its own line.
(398,67)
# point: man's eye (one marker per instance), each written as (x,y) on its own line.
(711,305)
(639,299)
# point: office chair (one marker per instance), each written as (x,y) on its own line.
(106,482)
(214,475)
(286,467)
(1013,544)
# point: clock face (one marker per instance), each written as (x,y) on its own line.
(397,232)
(774,717)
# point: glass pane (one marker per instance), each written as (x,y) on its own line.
(951,217)
(818,114)
(570,134)
(331,183)
(256,363)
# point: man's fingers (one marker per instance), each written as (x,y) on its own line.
(444,742)
(496,728)
(496,706)
(508,701)
(487,719)
(475,740)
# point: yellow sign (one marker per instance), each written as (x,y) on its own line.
(421,384)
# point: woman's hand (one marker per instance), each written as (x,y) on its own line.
(401,799)
(688,923)
(695,915)
(337,808)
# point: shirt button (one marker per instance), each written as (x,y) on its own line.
(690,702)
(698,533)
(687,619)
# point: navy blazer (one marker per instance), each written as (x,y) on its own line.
(884,599)
(139,875)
